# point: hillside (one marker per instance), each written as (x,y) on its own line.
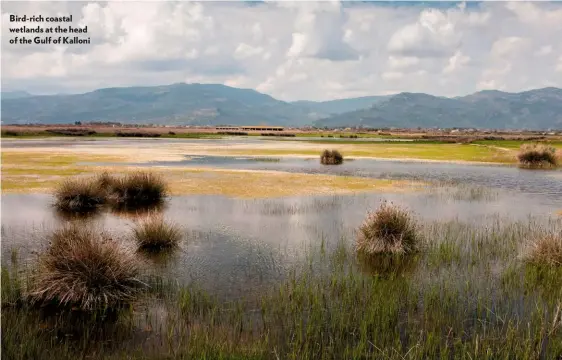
(197,104)
(214,104)
(535,109)
(340,106)
(14,94)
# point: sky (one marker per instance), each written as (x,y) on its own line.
(293,50)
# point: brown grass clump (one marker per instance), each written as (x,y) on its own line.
(86,269)
(78,195)
(152,233)
(546,250)
(331,157)
(537,156)
(388,230)
(138,189)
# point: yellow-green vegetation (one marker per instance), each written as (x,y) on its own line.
(388,230)
(394,150)
(24,172)
(85,268)
(515,144)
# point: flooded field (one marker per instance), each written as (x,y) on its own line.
(545,184)
(280,277)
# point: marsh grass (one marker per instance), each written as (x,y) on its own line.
(463,192)
(130,192)
(78,196)
(153,233)
(387,265)
(538,156)
(545,250)
(468,296)
(86,269)
(138,189)
(331,157)
(265,159)
(388,230)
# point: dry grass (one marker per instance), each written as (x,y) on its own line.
(331,157)
(138,189)
(546,250)
(538,156)
(78,195)
(85,268)
(388,230)
(152,233)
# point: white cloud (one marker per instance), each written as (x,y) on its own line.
(456,62)
(432,35)
(402,62)
(294,50)
(392,75)
(544,50)
(508,46)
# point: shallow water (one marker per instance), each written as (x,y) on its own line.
(234,246)
(545,184)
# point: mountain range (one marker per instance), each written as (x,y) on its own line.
(215,104)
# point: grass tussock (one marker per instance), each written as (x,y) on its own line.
(538,156)
(78,195)
(137,190)
(331,157)
(131,191)
(153,233)
(85,268)
(388,230)
(546,250)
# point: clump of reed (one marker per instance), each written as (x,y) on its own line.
(137,189)
(388,230)
(331,157)
(79,196)
(545,250)
(86,269)
(153,233)
(536,156)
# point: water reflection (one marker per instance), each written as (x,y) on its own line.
(233,245)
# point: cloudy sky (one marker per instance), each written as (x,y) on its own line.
(294,50)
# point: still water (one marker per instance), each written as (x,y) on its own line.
(233,246)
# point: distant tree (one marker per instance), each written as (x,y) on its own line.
(77,123)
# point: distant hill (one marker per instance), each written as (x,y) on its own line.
(197,104)
(534,109)
(340,106)
(14,94)
(215,104)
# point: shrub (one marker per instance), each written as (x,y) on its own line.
(153,233)
(85,268)
(388,230)
(78,195)
(137,190)
(537,156)
(546,250)
(137,134)
(331,157)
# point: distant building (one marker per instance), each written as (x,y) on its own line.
(251,128)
